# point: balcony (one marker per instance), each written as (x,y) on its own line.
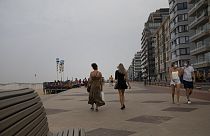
(202,64)
(197,6)
(202,34)
(199,21)
(201,49)
(191,1)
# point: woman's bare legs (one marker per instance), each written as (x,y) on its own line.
(173,92)
(178,92)
(122,98)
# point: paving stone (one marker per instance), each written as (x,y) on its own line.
(114,101)
(151,119)
(84,100)
(199,103)
(55,111)
(153,101)
(77,94)
(64,99)
(109,132)
(179,109)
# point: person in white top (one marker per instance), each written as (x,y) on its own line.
(175,73)
(188,79)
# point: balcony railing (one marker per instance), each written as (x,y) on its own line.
(191,1)
(198,20)
(201,49)
(200,34)
(196,6)
(205,63)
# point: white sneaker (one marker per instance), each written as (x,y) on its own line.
(188,101)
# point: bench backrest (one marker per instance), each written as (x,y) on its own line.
(22,113)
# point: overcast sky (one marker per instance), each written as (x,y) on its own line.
(33,33)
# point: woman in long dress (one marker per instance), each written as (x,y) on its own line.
(95,81)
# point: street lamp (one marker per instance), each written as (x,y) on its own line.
(62,69)
(57,63)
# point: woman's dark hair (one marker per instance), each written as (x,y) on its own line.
(94,66)
(172,64)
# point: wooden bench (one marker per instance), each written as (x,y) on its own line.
(22,114)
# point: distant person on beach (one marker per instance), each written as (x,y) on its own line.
(96,87)
(85,82)
(145,78)
(121,78)
(188,79)
(111,80)
(175,74)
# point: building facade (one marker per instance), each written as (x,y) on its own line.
(148,41)
(131,71)
(162,51)
(179,31)
(200,50)
(137,66)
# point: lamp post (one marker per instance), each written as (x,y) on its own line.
(57,63)
(62,69)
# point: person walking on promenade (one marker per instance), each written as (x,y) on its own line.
(175,74)
(121,78)
(188,79)
(95,83)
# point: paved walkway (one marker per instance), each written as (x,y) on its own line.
(149,112)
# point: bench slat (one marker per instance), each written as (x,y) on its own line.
(42,130)
(82,132)
(71,132)
(38,128)
(5,94)
(20,115)
(76,132)
(31,126)
(21,124)
(11,101)
(65,132)
(46,132)
(16,108)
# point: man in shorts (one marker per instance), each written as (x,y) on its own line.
(188,79)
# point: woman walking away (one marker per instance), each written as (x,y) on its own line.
(121,78)
(95,83)
(175,81)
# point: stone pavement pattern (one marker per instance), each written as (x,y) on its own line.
(149,112)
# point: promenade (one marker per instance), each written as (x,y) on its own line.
(149,112)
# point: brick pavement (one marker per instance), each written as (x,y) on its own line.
(149,112)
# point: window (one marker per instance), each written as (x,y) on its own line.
(182,40)
(182,17)
(182,6)
(183,51)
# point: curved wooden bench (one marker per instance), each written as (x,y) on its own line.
(22,114)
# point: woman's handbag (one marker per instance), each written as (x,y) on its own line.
(116,86)
(102,96)
(88,88)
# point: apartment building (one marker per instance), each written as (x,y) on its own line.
(163,51)
(148,41)
(137,66)
(179,31)
(200,12)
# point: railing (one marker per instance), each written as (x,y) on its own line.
(200,46)
(197,5)
(197,19)
(200,32)
(202,62)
